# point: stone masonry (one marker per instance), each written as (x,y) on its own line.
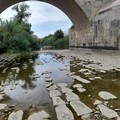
(104,30)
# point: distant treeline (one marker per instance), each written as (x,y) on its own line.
(16,35)
(57,40)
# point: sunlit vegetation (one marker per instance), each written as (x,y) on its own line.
(58,40)
(15,34)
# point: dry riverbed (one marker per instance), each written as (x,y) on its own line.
(61,85)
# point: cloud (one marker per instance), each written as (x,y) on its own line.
(45,18)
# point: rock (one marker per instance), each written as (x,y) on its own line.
(63,113)
(16,69)
(1,89)
(47,76)
(108,113)
(97,102)
(81,90)
(13,87)
(47,85)
(95,78)
(16,115)
(102,71)
(54,93)
(106,95)
(3,106)
(66,90)
(80,108)
(62,85)
(80,79)
(72,73)
(1,97)
(71,97)
(87,73)
(85,70)
(53,87)
(39,116)
(57,101)
(86,117)
(48,79)
(77,86)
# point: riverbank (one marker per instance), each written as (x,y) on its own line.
(105,59)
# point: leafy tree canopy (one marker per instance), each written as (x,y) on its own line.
(16,34)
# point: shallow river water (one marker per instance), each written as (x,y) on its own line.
(24,84)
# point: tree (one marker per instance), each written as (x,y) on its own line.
(16,34)
(22,14)
(58,34)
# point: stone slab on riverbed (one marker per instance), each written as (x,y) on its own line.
(42,115)
(57,101)
(16,115)
(66,90)
(47,85)
(3,106)
(71,97)
(81,90)
(62,85)
(106,95)
(77,86)
(54,93)
(53,87)
(80,108)
(80,79)
(63,113)
(107,112)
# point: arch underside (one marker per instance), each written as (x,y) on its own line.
(69,7)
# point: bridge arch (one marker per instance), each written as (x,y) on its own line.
(69,7)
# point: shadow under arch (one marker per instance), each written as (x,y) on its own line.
(69,7)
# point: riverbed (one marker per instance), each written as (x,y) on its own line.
(92,77)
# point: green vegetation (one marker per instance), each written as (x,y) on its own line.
(58,40)
(16,35)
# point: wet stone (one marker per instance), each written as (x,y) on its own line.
(39,116)
(54,93)
(72,73)
(77,86)
(71,97)
(47,76)
(81,90)
(63,113)
(47,85)
(66,90)
(62,85)
(1,96)
(84,70)
(16,69)
(13,87)
(107,112)
(57,101)
(95,78)
(86,117)
(53,87)
(3,106)
(48,79)
(16,115)
(97,102)
(80,79)
(106,95)
(80,108)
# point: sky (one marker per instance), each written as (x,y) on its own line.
(45,18)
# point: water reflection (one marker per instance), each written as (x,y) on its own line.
(23,80)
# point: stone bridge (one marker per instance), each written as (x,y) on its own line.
(82,13)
